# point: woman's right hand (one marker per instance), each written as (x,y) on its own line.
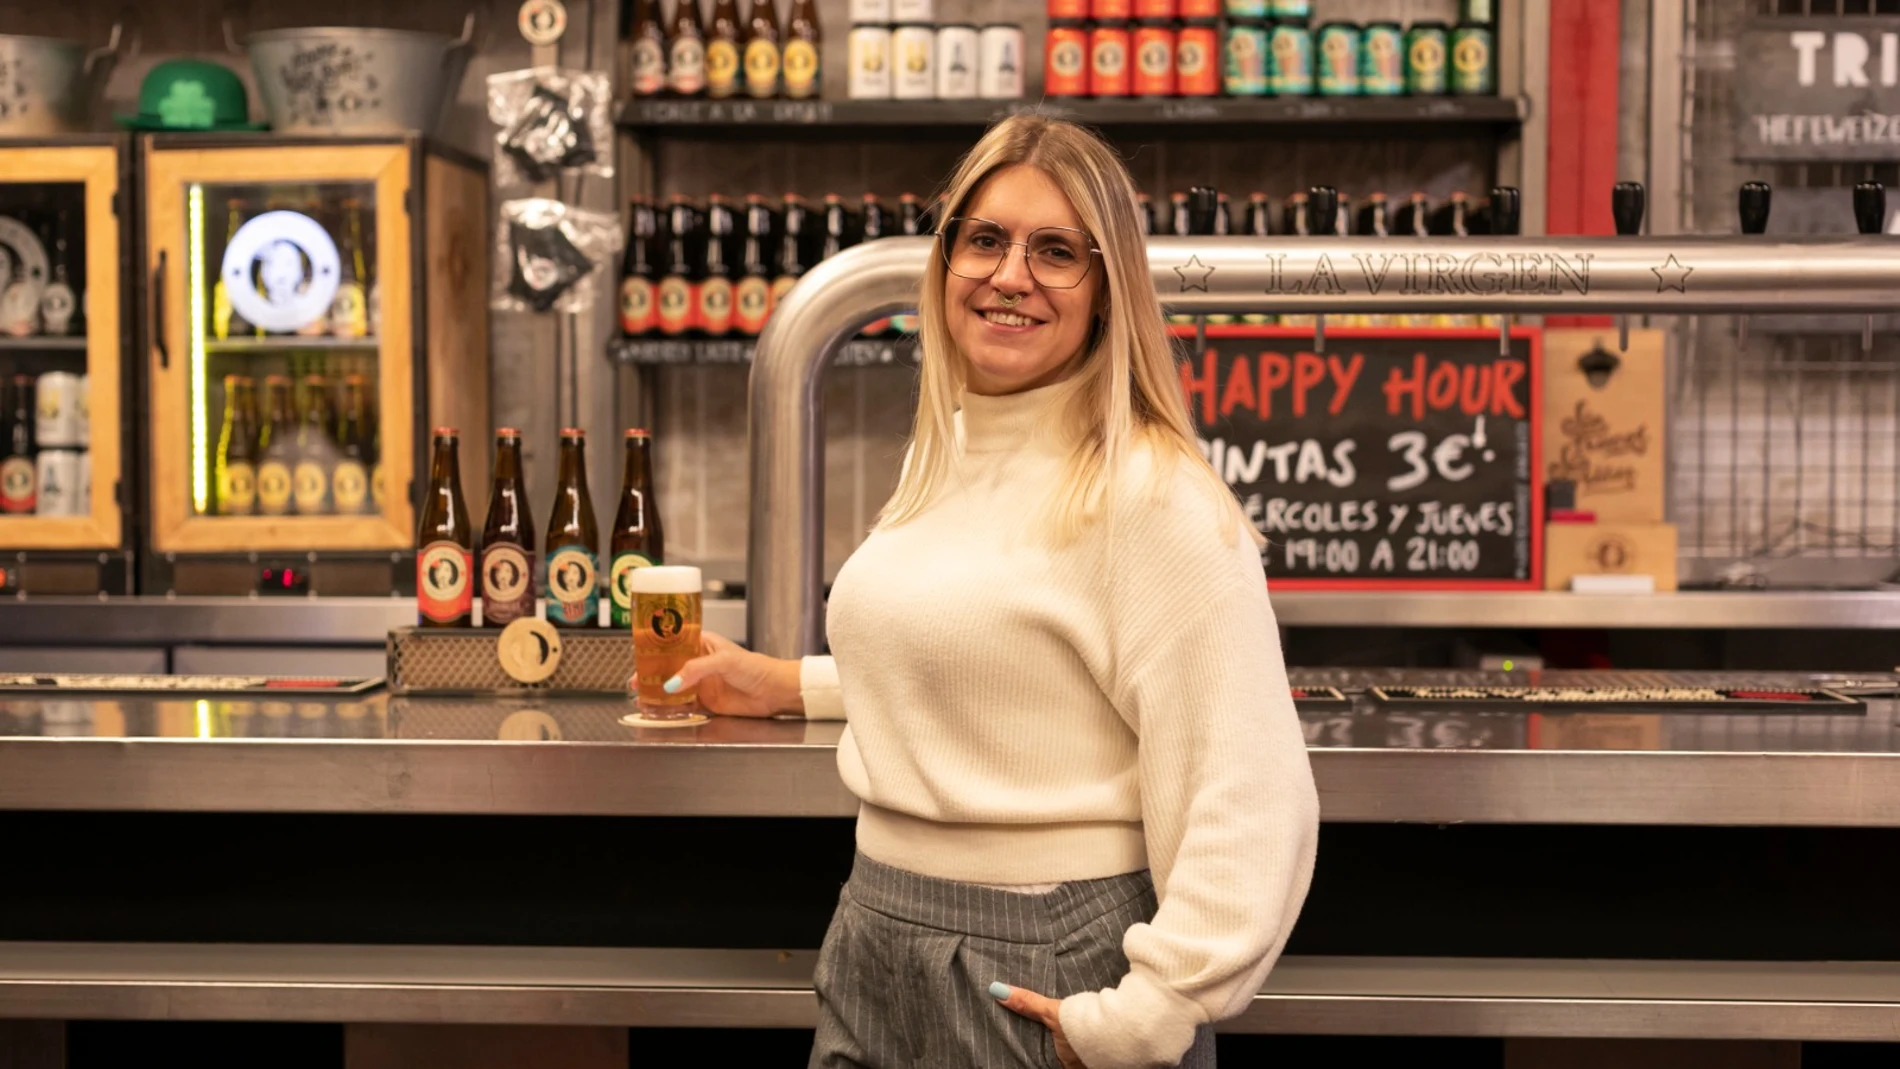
(734,681)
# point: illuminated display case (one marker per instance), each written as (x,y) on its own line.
(63,346)
(312,308)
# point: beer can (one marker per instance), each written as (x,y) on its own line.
(1111,10)
(1244,60)
(913,68)
(1382,60)
(1154,60)
(1155,9)
(1290,9)
(1108,61)
(1336,53)
(1471,61)
(1425,44)
(918,11)
(958,49)
(1290,49)
(1000,76)
(870,11)
(1199,9)
(1246,9)
(1197,61)
(870,78)
(57,471)
(1068,10)
(56,420)
(1065,68)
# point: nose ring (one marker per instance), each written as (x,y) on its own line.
(1010,302)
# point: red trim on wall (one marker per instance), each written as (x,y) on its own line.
(1585,57)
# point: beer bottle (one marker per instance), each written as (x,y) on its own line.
(277,450)
(804,42)
(876,223)
(445,557)
(349,481)
(226,322)
(761,51)
(648,53)
(19,475)
(752,297)
(686,51)
(507,538)
(840,229)
(316,450)
(723,76)
(637,539)
(794,243)
(573,542)
(638,315)
(715,259)
(237,445)
(677,299)
(377,482)
(60,308)
(349,309)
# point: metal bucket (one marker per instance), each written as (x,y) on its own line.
(48,86)
(343,80)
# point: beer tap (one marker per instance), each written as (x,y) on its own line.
(1203,203)
(1323,203)
(1505,205)
(1870,217)
(1752,202)
(1626,208)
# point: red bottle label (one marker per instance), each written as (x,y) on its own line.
(637,313)
(715,306)
(18,485)
(444,581)
(751,304)
(676,305)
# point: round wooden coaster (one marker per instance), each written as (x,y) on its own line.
(529,650)
(639,720)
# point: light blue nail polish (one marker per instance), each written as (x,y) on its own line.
(999,991)
(673,685)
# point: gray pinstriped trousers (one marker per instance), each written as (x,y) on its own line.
(904,973)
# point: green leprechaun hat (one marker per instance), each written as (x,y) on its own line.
(192,94)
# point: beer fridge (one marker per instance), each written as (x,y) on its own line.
(311,308)
(64,500)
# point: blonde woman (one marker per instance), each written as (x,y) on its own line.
(1087,819)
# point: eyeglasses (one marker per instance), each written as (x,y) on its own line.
(1059,257)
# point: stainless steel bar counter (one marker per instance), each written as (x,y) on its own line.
(552,756)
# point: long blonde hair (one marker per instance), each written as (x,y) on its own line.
(1126,388)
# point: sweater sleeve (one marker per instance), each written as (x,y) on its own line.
(818,686)
(1228,804)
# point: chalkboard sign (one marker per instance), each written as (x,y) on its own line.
(1818,88)
(1397,459)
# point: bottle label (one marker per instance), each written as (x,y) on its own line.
(715,306)
(761,69)
(507,584)
(722,68)
(17,485)
(310,485)
(676,305)
(443,590)
(349,311)
(57,304)
(349,484)
(636,305)
(573,597)
(751,304)
(781,286)
(686,66)
(237,489)
(273,488)
(620,585)
(649,67)
(801,69)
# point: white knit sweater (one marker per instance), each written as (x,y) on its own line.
(1021,714)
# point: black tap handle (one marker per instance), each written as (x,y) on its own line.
(1753,202)
(1505,204)
(1203,202)
(1323,206)
(1870,207)
(1626,206)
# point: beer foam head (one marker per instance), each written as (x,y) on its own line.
(665,579)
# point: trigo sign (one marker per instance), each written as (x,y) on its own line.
(1818,88)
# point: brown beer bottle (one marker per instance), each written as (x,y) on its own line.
(679,279)
(573,542)
(19,475)
(752,296)
(804,42)
(723,76)
(761,51)
(277,450)
(507,538)
(796,245)
(349,480)
(637,539)
(712,297)
(647,78)
(237,444)
(638,313)
(445,546)
(686,51)
(316,451)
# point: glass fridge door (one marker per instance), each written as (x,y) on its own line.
(59,348)
(282,390)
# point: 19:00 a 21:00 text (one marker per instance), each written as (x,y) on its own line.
(1339,556)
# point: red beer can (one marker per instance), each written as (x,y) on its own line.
(1061,10)
(1154,60)
(1197,61)
(1111,10)
(1154,9)
(1108,61)
(1065,68)
(1200,9)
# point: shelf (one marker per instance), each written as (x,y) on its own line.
(886,116)
(287,344)
(37,344)
(865,352)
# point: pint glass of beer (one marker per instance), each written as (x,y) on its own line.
(665,636)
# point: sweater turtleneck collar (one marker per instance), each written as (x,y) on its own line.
(1014,422)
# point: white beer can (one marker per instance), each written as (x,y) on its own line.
(870,77)
(957,54)
(913,11)
(1000,77)
(59,483)
(56,423)
(913,55)
(870,11)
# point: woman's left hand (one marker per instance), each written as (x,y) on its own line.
(1038,1008)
